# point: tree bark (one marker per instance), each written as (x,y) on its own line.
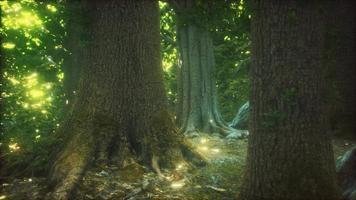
(197,108)
(120,114)
(240,121)
(289,153)
(342,73)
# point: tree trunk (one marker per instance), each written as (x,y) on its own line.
(120,113)
(342,74)
(197,108)
(289,153)
(240,121)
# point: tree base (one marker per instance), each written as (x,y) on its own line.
(162,147)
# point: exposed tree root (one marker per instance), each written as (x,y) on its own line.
(162,147)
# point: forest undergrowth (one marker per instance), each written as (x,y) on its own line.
(219,179)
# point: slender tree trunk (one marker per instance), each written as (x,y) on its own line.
(197,108)
(289,153)
(120,114)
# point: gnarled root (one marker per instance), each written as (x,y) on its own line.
(161,146)
(69,167)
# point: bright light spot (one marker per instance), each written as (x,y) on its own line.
(23,19)
(177,184)
(180,166)
(37,130)
(30,180)
(51,8)
(203,140)
(61,22)
(58,46)
(14,147)
(168,178)
(67,101)
(48,86)
(25,105)
(37,41)
(38,137)
(2,197)
(16,7)
(8,45)
(211,121)
(227,38)
(215,150)
(60,76)
(14,81)
(44,111)
(37,105)
(36,93)
(203,148)
(31,80)
(57,125)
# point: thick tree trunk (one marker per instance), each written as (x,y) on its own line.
(342,50)
(197,108)
(289,153)
(120,114)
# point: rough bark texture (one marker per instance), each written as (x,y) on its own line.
(342,74)
(197,108)
(289,153)
(120,114)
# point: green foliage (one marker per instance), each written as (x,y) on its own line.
(31,81)
(169,51)
(232,54)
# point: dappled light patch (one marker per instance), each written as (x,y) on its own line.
(14,147)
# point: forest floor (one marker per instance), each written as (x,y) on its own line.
(219,179)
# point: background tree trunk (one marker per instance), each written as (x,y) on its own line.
(241,119)
(289,153)
(120,114)
(197,108)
